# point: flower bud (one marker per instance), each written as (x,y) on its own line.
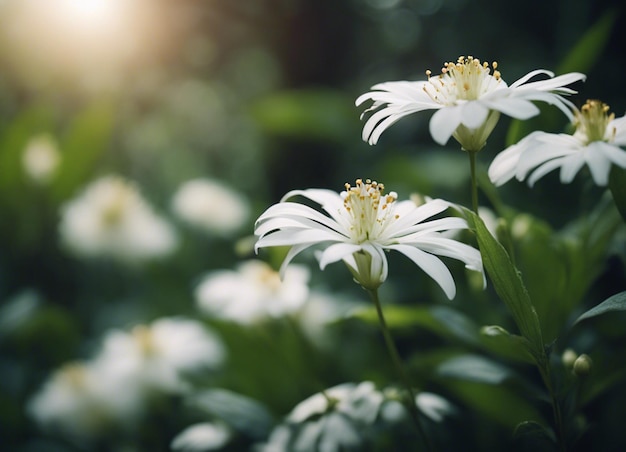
(568,358)
(582,365)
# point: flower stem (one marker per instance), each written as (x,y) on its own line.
(544,369)
(395,357)
(472,159)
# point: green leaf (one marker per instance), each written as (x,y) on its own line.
(617,185)
(498,340)
(535,436)
(508,285)
(615,303)
(441,320)
(475,368)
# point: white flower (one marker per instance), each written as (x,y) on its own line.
(80,401)
(596,142)
(111,218)
(210,206)
(201,437)
(360,225)
(156,356)
(333,420)
(468,100)
(252,292)
(41,158)
(433,405)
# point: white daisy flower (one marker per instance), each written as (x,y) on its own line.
(359,225)
(468,99)
(210,206)
(597,143)
(80,401)
(111,218)
(253,292)
(156,356)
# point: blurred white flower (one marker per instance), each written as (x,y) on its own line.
(359,225)
(157,356)
(468,100)
(252,292)
(597,142)
(344,417)
(433,405)
(201,437)
(80,401)
(41,158)
(111,218)
(210,206)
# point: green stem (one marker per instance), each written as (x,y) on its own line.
(395,357)
(544,370)
(472,159)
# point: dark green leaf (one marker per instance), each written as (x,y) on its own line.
(615,303)
(440,320)
(535,436)
(498,340)
(508,285)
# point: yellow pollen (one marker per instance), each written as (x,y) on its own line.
(368,207)
(592,122)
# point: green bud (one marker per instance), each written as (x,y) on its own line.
(582,365)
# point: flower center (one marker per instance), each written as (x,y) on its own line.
(369,208)
(143,337)
(467,79)
(592,122)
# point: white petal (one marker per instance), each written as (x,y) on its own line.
(514,107)
(530,75)
(599,165)
(473,114)
(336,252)
(613,153)
(379,265)
(444,122)
(431,265)
(543,170)
(571,165)
(289,237)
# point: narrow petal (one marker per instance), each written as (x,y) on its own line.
(431,265)
(599,165)
(570,166)
(543,170)
(444,122)
(336,252)
(530,75)
(613,153)
(514,107)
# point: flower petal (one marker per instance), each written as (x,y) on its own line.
(444,122)
(336,252)
(431,265)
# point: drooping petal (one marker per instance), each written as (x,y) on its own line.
(514,107)
(337,252)
(570,166)
(599,165)
(613,153)
(431,265)
(444,122)
(543,170)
